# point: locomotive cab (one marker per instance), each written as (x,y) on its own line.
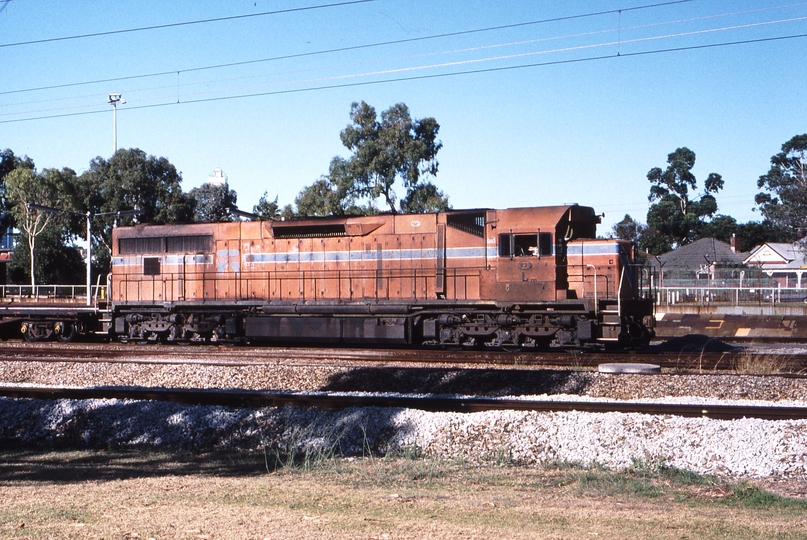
(579,288)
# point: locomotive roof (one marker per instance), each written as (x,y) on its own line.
(554,211)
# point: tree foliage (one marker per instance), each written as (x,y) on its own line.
(628,229)
(319,199)
(721,227)
(675,215)
(9,162)
(333,194)
(213,203)
(131,179)
(424,198)
(56,261)
(265,208)
(51,188)
(755,233)
(784,201)
(395,149)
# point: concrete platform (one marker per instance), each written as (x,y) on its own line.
(719,325)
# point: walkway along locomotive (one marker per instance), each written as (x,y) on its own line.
(520,277)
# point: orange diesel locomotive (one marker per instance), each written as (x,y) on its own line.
(520,277)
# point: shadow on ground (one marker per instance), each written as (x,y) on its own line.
(481,382)
(52,466)
(69,441)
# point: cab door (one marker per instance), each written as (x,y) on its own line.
(525,269)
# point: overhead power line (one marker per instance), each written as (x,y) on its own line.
(429,76)
(434,53)
(339,49)
(453,64)
(186,23)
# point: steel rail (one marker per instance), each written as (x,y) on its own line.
(256,399)
(211,355)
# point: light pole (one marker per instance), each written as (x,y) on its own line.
(89,215)
(113,100)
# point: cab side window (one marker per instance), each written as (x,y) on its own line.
(525,245)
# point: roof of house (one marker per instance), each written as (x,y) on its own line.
(778,255)
(703,252)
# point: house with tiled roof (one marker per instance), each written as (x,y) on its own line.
(786,262)
(700,259)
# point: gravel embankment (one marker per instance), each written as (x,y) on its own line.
(755,448)
(750,447)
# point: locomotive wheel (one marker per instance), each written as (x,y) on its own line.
(36,332)
(67,333)
(176,334)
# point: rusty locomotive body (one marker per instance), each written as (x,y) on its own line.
(520,277)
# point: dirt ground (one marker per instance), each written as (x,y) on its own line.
(143,495)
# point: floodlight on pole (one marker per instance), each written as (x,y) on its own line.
(114,100)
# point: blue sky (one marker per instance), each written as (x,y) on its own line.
(577,108)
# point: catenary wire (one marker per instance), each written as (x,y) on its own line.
(449,52)
(435,53)
(353,47)
(186,23)
(515,56)
(430,76)
(437,66)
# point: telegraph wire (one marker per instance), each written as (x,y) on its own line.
(425,77)
(185,23)
(435,66)
(365,46)
(408,57)
(349,48)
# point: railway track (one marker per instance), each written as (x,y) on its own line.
(235,356)
(256,399)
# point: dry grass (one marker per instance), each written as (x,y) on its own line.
(134,495)
(762,363)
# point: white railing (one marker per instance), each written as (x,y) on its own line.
(59,293)
(735,296)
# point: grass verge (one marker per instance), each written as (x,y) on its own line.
(148,495)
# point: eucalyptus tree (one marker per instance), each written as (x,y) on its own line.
(9,162)
(27,191)
(392,151)
(213,203)
(676,213)
(784,199)
(131,179)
